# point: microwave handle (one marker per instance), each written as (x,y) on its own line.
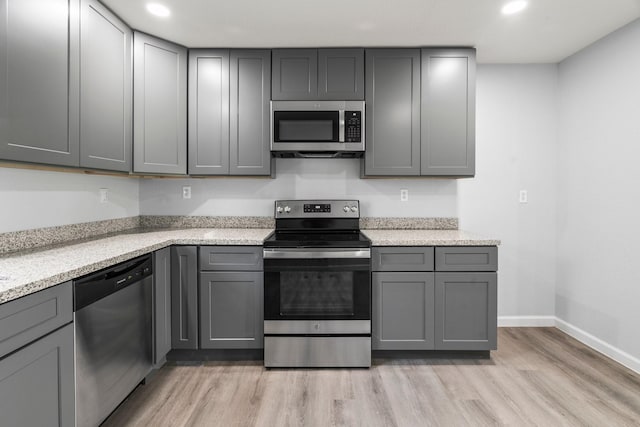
(341,126)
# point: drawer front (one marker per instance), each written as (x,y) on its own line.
(399,258)
(467,258)
(28,318)
(230,258)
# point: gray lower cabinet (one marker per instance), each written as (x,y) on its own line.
(39,81)
(393,112)
(184,297)
(403,306)
(37,383)
(159,106)
(229,93)
(161,305)
(448,112)
(105,89)
(466,311)
(231,310)
(312,74)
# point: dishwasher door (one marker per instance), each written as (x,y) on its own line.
(113,350)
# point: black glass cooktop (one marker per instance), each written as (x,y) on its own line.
(331,239)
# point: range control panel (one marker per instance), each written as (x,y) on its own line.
(317,209)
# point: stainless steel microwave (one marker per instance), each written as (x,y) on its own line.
(317,128)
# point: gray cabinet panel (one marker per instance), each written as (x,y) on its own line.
(30,317)
(393,112)
(231,310)
(37,383)
(448,112)
(400,258)
(403,316)
(466,311)
(295,74)
(39,81)
(159,106)
(231,258)
(250,80)
(341,74)
(208,112)
(467,258)
(184,297)
(161,304)
(105,89)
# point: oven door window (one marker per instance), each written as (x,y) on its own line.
(306,126)
(316,293)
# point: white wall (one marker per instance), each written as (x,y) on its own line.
(34,199)
(598,280)
(516,139)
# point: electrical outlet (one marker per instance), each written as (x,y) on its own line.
(186,192)
(104,195)
(524,196)
(404,195)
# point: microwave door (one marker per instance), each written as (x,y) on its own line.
(307,126)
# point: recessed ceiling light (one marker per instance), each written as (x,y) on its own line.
(158,10)
(514,7)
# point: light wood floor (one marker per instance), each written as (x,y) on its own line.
(539,376)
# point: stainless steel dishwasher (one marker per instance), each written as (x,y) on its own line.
(112,337)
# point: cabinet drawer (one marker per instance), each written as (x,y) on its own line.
(33,316)
(399,258)
(477,258)
(230,258)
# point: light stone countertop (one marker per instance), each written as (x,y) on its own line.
(427,238)
(24,273)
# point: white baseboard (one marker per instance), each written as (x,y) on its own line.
(597,344)
(526,321)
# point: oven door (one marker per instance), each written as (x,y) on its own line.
(308,284)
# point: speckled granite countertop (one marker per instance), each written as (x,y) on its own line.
(426,238)
(23,273)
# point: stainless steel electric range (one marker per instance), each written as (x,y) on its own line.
(317,286)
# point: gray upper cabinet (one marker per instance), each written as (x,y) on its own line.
(250,81)
(393,112)
(310,74)
(341,74)
(448,112)
(105,89)
(184,297)
(161,305)
(159,106)
(295,74)
(39,81)
(208,112)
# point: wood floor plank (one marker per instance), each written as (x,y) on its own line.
(537,377)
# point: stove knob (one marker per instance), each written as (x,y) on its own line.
(354,209)
(279,209)
(287,209)
(346,209)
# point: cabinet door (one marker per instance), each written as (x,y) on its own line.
(393,112)
(39,81)
(249,113)
(208,112)
(161,304)
(341,74)
(231,310)
(37,383)
(159,106)
(184,297)
(448,112)
(402,317)
(105,89)
(466,311)
(295,74)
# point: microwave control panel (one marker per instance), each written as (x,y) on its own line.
(353,126)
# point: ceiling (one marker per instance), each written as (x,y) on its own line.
(546,31)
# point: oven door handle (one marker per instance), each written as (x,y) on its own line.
(315,254)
